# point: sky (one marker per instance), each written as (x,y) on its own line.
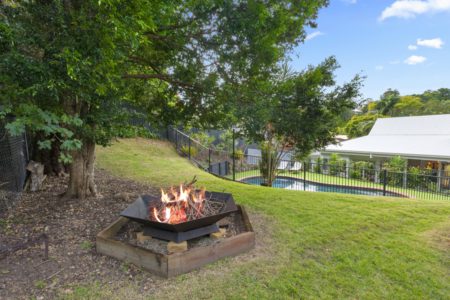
(399,44)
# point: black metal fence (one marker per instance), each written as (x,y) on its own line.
(311,176)
(13,162)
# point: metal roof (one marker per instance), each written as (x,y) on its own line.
(420,137)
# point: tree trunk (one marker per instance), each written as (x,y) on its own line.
(81,171)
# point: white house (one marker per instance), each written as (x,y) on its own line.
(423,141)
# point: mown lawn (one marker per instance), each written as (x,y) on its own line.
(326,245)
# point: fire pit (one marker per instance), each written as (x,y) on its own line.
(179,231)
(142,211)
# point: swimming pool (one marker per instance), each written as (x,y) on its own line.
(298,184)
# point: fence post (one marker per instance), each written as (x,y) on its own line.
(189,150)
(234,157)
(176,140)
(26,146)
(384,181)
(209,160)
(304,176)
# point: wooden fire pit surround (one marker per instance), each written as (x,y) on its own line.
(173,264)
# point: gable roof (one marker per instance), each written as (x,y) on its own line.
(419,137)
(418,125)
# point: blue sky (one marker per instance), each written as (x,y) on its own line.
(402,44)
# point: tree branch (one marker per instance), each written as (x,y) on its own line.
(162,77)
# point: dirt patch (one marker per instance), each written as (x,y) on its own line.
(71,227)
(440,237)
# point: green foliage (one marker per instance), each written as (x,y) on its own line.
(393,105)
(360,125)
(336,164)
(442,94)
(300,109)
(268,164)
(61,75)
(318,166)
(203,138)
(226,141)
(395,164)
(396,168)
(40,284)
(415,178)
(238,154)
(408,106)
(185,150)
(388,101)
(129,131)
(79,61)
(86,245)
(361,170)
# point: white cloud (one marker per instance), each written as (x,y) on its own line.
(412,47)
(379,68)
(313,35)
(432,43)
(415,59)
(410,8)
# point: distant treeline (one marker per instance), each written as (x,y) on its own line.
(392,104)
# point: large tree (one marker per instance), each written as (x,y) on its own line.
(300,111)
(68,67)
(387,102)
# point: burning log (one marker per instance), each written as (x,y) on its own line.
(182,204)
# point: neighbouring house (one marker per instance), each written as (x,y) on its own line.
(424,141)
(253,155)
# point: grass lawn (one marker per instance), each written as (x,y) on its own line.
(325,245)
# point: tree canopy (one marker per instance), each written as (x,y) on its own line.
(301,110)
(70,70)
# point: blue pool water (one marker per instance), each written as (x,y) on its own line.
(298,184)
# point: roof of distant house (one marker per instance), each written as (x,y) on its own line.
(419,137)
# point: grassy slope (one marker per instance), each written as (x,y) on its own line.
(327,245)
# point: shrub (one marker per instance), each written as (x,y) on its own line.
(395,167)
(267,165)
(318,166)
(337,165)
(203,138)
(135,131)
(238,154)
(185,150)
(361,170)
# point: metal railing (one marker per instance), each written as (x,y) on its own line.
(311,176)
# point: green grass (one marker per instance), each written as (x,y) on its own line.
(40,284)
(325,245)
(86,245)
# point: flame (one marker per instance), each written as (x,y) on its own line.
(175,205)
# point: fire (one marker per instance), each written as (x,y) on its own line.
(179,205)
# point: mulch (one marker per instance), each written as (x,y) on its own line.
(71,227)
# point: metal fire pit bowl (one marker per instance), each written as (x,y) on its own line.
(139,212)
